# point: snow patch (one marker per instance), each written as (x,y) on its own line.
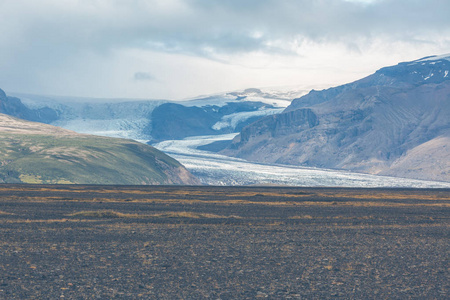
(428,77)
(233,120)
(279,97)
(434,58)
(222,100)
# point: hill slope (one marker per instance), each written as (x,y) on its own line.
(39,153)
(396,122)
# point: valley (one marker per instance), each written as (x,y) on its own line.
(195,131)
(217,169)
(224,150)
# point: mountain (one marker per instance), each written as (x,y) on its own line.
(13,106)
(393,122)
(153,120)
(38,153)
(173,121)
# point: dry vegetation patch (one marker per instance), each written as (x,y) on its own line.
(340,217)
(268,202)
(103,214)
(46,221)
(383,195)
(193,215)
(295,203)
(168,214)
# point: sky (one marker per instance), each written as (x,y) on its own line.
(178,49)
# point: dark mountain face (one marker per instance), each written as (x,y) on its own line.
(175,121)
(14,107)
(276,125)
(370,125)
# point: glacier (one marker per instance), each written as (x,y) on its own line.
(215,169)
(232,120)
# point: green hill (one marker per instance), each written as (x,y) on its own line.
(39,153)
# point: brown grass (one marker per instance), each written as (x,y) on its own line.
(309,217)
(103,214)
(265,197)
(193,215)
(303,217)
(269,202)
(49,221)
(387,226)
(297,203)
(382,195)
(170,214)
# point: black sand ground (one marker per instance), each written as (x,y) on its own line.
(87,242)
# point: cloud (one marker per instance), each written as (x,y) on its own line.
(200,27)
(143,76)
(56,39)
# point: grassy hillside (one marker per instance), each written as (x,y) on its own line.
(38,153)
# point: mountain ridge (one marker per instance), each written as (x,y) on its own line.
(365,126)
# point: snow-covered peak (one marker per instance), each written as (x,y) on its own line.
(434,58)
(278,97)
(427,70)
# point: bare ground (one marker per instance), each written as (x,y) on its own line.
(106,242)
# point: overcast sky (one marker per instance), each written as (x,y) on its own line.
(173,49)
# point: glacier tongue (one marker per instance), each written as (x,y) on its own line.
(216,169)
(120,128)
(232,120)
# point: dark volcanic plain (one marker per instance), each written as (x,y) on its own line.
(130,242)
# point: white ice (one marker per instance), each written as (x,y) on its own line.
(215,169)
(436,57)
(232,120)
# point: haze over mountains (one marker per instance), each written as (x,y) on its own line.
(394,122)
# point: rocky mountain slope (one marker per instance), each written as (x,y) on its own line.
(172,121)
(38,153)
(396,122)
(14,107)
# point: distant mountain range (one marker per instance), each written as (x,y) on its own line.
(394,122)
(152,120)
(33,152)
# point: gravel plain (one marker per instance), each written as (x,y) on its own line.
(134,242)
